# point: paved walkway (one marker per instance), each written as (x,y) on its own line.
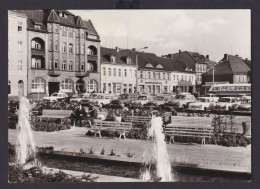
(237,159)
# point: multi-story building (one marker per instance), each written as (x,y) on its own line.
(194,61)
(118,71)
(156,75)
(230,69)
(17,54)
(163,75)
(63,53)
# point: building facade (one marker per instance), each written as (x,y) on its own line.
(63,53)
(230,69)
(118,71)
(156,75)
(194,61)
(159,75)
(17,54)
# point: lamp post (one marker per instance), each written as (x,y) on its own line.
(136,64)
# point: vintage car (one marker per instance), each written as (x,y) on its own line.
(141,100)
(127,98)
(244,107)
(209,95)
(101,99)
(227,104)
(56,97)
(182,100)
(158,100)
(202,104)
(76,98)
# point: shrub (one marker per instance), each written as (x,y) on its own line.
(35,174)
(48,125)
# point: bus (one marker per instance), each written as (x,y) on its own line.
(227,89)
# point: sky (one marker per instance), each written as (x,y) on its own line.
(208,32)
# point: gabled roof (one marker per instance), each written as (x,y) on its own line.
(189,58)
(232,65)
(238,65)
(80,23)
(143,59)
(51,16)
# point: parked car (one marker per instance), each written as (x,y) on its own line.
(226,104)
(202,104)
(76,98)
(245,106)
(141,100)
(127,98)
(114,104)
(182,100)
(209,95)
(56,97)
(101,99)
(158,100)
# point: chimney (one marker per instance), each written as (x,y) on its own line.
(133,49)
(246,58)
(236,55)
(117,49)
(225,57)
(207,56)
(179,51)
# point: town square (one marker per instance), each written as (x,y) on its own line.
(104,96)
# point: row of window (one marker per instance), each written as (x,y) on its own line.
(183,78)
(232,88)
(39,64)
(154,75)
(39,85)
(116,88)
(118,72)
(201,68)
(70,31)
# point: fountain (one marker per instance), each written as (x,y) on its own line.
(158,166)
(25,146)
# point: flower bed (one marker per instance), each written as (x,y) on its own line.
(48,125)
(223,139)
(16,174)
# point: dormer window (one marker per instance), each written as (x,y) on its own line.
(37,26)
(113,59)
(63,15)
(159,66)
(149,65)
(128,60)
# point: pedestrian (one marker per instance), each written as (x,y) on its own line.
(82,115)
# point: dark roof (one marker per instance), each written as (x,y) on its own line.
(43,17)
(143,59)
(238,65)
(232,65)
(248,62)
(189,58)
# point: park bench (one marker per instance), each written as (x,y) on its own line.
(138,119)
(198,127)
(55,114)
(121,127)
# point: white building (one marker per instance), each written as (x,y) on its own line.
(17,54)
(164,75)
(117,71)
(156,75)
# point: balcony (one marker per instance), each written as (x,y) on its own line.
(53,73)
(92,58)
(39,52)
(81,74)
